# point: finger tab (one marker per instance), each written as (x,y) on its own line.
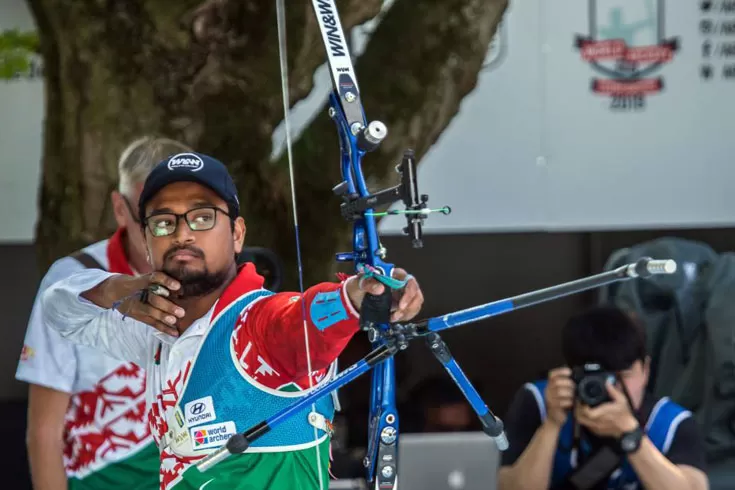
(375,309)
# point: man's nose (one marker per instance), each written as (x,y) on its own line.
(183,233)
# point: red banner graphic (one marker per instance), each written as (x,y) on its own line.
(617,49)
(636,87)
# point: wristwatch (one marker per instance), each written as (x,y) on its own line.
(631,441)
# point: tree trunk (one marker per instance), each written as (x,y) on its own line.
(207,73)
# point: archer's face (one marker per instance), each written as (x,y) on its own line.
(201,255)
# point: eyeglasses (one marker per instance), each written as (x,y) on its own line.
(199,219)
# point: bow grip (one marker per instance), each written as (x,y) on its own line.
(375,309)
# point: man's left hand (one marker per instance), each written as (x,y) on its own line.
(407,302)
(611,419)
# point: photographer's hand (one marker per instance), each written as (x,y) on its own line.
(559,395)
(611,419)
(534,466)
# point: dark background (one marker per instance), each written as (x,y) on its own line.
(455,272)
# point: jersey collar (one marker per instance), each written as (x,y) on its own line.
(116,254)
(247,280)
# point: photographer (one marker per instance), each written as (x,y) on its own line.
(592,425)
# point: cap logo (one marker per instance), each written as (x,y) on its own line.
(187,161)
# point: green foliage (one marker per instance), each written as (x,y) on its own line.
(17,53)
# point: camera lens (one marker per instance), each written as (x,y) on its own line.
(592,390)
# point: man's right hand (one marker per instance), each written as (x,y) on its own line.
(559,395)
(156,311)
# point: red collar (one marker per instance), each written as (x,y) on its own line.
(118,261)
(247,280)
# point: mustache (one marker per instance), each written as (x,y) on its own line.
(193,250)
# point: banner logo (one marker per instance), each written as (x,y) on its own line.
(627,47)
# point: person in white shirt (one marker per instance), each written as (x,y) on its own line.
(87,426)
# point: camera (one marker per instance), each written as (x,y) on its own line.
(590,380)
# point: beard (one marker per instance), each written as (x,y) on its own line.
(194,283)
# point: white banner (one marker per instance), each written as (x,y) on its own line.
(604,114)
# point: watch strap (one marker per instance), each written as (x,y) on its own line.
(631,441)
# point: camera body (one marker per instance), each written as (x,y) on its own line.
(590,380)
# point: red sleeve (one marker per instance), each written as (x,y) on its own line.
(269,339)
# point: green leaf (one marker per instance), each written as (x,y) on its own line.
(14,39)
(17,50)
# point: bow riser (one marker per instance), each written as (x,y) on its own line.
(356,138)
(383,418)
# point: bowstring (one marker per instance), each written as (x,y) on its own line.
(282,55)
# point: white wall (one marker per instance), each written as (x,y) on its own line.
(533,148)
(21,137)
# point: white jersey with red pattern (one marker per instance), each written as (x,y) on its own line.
(105,423)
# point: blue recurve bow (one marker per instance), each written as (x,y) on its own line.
(357,137)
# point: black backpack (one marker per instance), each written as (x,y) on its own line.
(689,318)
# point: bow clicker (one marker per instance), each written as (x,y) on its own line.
(357,137)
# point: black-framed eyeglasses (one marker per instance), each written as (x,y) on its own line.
(198,219)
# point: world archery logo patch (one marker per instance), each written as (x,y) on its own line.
(200,437)
(189,161)
(213,435)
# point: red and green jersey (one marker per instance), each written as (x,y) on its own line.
(267,345)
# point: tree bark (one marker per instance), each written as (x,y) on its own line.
(207,73)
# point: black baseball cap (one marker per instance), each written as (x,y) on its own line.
(191,167)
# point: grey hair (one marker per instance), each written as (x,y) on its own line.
(139,158)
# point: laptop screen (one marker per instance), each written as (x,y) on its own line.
(447,461)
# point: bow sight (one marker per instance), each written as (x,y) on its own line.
(354,207)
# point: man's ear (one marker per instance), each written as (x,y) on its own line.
(238,234)
(118,207)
